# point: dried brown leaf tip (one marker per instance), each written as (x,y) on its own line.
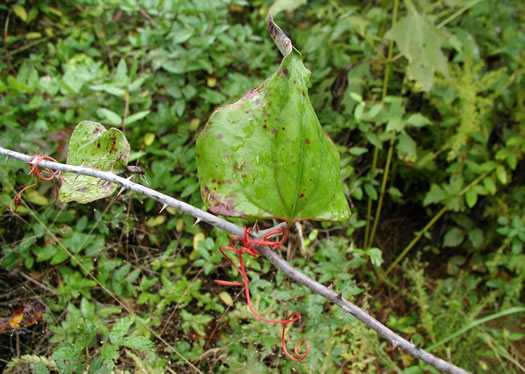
(279,37)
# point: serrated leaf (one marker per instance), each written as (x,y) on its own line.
(266,156)
(120,329)
(435,195)
(94,147)
(420,42)
(109,352)
(406,148)
(140,343)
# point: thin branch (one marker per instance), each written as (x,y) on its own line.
(296,275)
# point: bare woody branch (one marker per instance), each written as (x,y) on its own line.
(281,264)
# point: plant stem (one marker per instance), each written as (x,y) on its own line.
(430,224)
(369,207)
(457,13)
(386,80)
(415,240)
(382,193)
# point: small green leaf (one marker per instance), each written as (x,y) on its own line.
(109,117)
(140,343)
(406,148)
(136,117)
(471,197)
(109,352)
(435,195)
(376,256)
(226,298)
(418,120)
(501,174)
(39,368)
(453,238)
(20,12)
(476,237)
(120,329)
(490,185)
(91,145)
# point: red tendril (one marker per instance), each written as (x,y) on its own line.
(33,166)
(248,246)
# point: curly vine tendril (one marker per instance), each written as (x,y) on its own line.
(33,165)
(249,248)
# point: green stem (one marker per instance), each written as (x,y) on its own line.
(458,13)
(369,207)
(382,193)
(388,68)
(518,309)
(430,224)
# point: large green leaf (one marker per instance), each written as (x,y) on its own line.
(91,145)
(266,156)
(420,42)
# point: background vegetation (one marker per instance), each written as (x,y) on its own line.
(425,100)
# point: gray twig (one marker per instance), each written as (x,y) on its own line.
(281,264)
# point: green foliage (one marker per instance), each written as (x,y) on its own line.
(156,70)
(420,42)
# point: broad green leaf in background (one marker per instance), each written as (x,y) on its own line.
(420,42)
(286,5)
(91,145)
(266,156)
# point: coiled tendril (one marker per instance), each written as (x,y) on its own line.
(248,246)
(33,165)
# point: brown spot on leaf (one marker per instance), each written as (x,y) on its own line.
(83,189)
(285,71)
(228,181)
(307,141)
(218,205)
(274,131)
(301,195)
(238,166)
